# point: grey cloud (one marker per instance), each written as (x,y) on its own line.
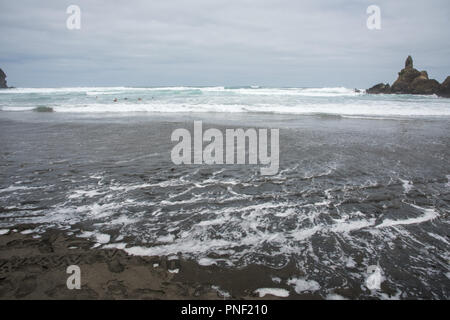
(206,42)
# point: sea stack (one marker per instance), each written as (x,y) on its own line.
(444,90)
(413,81)
(3,84)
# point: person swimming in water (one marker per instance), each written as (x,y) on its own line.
(115,99)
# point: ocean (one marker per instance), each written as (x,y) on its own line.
(340,101)
(363,182)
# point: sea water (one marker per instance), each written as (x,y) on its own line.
(363,181)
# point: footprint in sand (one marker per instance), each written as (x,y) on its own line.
(26,286)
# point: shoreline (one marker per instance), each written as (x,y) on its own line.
(35,268)
(60,182)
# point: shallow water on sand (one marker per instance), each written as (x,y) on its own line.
(350,193)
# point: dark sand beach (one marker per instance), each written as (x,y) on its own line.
(35,268)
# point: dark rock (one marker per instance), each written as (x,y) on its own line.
(400,87)
(408,75)
(405,78)
(424,86)
(444,90)
(3,84)
(409,62)
(413,81)
(43,109)
(380,88)
(424,74)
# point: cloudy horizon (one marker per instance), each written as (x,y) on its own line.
(269,43)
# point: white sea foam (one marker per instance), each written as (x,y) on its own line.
(221,292)
(18,188)
(302,101)
(85,193)
(185,246)
(348,226)
(95,91)
(308,92)
(306,108)
(101,238)
(438,237)
(119,245)
(302,285)
(407,185)
(350,263)
(278,292)
(174,270)
(60,90)
(429,214)
(207,261)
(276,279)
(375,278)
(334,296)
(190,241)
(166,238)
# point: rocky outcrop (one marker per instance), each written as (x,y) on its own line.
(412,81)
(409,62)
(380,88)
(3,84)
(444,90)
(424,86)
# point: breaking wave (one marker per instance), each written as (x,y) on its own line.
(338,101)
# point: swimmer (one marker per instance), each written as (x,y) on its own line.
(115,99)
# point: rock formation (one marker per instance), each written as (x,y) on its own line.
(409,62)
(413,81)
(380,88)
(444,90)
(2,79)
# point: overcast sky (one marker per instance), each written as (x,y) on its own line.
(221,42)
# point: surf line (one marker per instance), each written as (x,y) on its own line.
(235,153)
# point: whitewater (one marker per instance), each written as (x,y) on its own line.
(338,101)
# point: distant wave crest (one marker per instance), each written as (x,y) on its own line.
(335,101)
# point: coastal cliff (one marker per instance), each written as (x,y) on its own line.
(413,81)
(3,84)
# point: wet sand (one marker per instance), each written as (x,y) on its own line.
(35,268)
